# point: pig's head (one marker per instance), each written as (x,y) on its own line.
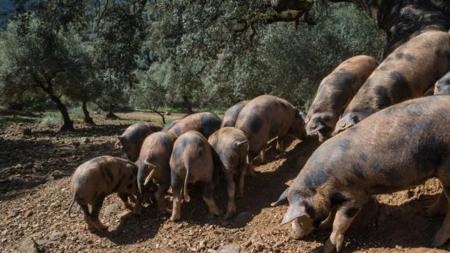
(306,211)
(129,148)
(321,124)
(442,86)
(298,126)
(348,120)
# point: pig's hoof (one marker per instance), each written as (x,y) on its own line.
(229,215)
(329,247)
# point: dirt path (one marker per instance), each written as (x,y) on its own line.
(34,195)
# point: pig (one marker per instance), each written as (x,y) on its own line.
(407,73)
(191,161)
(132,138)
(230,116)
(169,125)
(335,92)
(393,149)
(153,165)
(99,177)
(230,148)
(442,86)
(203,122)
(267,117)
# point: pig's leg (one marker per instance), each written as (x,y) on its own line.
(124,197)
(87,215)
(439,207)
(96,211)
(231,190)
(344,217)
(242,182)
(162,205)
(262,155)
(281,145)
(444,232)
(328,222)
(176,202)
(137,209)
(208,197)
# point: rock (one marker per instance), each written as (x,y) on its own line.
(55,236)
(111,209)
(229,248)
(28,213)
(28,245)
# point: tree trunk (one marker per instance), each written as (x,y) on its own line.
(111,114)
(87,117)
(161,114)
(187,104)
(68,123)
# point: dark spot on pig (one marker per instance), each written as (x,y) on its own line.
(309,210)
(344,145)
(177,130)
(255,124)
(274,128)
(209,125)
(378,188)
(344,77)
(407,57)
(400,88)
(430,155)
(131,177)
(351,212)
(358,170)
(382,97)
(337,199)
(363,157)
(315,179)
(129,186)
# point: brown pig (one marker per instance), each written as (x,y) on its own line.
(394,149)
(267,117)
(203,122)
(132,138)
(153,165)
(406,73)
(230,116)
(230,146)
(100,177)
(169,125)
(191,161)
(442,86)
(335,92)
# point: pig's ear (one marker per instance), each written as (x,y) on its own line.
(282,198)
(294,211)
(303,116)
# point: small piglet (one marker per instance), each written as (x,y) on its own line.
(230,115)
(132,138)
(153,165)
(204,122)
(230,148)
(191,161)
(100,177)
(335,92)
(394,149)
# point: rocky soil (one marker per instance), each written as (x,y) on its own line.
(35,168)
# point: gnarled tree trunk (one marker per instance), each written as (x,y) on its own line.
(68,123)
(87,118)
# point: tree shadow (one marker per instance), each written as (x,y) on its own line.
(135,228)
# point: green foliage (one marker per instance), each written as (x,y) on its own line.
(213,55)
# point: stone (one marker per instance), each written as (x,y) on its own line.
(28,245)
(229,248)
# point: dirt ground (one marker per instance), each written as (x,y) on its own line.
(35,169)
